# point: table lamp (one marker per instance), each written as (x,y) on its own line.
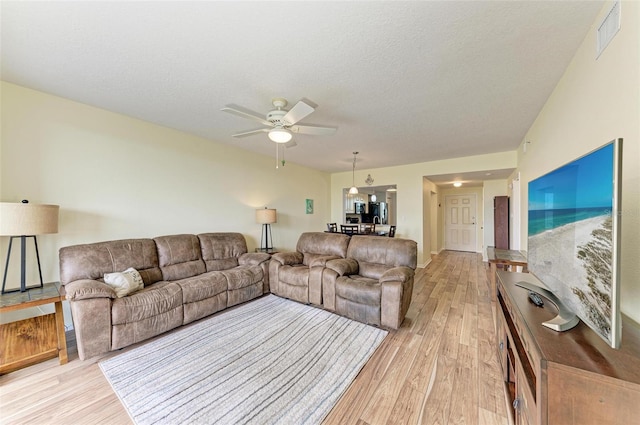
(24,220)
(265,217)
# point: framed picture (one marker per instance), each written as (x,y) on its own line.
(309,206)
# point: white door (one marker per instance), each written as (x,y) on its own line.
(460,222)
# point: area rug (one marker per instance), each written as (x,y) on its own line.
(269,361)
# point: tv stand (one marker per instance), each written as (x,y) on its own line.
(572,377)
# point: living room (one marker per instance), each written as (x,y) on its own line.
(116,176)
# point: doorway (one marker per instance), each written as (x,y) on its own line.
(460,222)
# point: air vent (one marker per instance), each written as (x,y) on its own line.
(608,28)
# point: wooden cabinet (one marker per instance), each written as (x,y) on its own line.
(571,377)
(501,222)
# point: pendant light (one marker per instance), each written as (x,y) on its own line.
(354,189)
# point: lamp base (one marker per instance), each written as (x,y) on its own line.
(264,239)
(23,265)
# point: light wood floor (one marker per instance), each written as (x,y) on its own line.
(440,367)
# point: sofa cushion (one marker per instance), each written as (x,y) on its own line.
(154,300)
(93,261)
(220,251)
(179,256)
(375,254)
(358,289)
(203,286)
(243,276)
(320,243)
(294,275)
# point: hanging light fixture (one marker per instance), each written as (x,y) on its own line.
(354,189)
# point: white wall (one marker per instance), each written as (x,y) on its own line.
(596,101)
(118,177)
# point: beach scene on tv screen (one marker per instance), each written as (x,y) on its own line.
(570,244)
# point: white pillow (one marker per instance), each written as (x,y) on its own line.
(124,282)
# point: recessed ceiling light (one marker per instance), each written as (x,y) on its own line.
(457,184)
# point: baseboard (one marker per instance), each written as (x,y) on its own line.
(423,265)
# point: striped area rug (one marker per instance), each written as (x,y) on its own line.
(269,361)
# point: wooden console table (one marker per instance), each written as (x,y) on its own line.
(35,339)
(505,257)
(570,377)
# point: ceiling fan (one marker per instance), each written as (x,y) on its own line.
(280,123)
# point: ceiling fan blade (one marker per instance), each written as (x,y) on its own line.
(252,132)
(314,130)
(245,113)
(300,110)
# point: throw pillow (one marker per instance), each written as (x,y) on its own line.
(124,282)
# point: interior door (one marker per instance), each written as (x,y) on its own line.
(460,222)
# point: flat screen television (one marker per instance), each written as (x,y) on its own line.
(573,237)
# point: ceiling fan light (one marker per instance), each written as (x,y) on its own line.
(280,135)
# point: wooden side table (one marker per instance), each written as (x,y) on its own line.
(506,257)
(268,251)
(35,339)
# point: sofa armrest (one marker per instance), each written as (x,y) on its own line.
(322,261)
(253,258)
(288,258)
(86,288)
(397,274)
(397,288)
(343,266)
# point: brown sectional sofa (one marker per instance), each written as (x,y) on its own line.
(365,278)
(186,277)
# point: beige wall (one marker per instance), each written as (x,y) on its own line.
(596,101)
(412,190)
(117,177)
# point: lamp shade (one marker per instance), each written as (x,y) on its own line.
(24,219)
(266,216)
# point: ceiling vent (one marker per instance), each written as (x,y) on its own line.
(608,28)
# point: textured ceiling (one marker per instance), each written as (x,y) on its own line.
(404,82)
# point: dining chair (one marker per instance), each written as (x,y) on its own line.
(392,231)
(349,229)
(332,227)
(367,228)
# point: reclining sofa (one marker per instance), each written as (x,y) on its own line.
(185,278)
(298,275)
(364,278)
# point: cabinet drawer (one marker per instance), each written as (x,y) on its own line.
(501,336)
(526,404)
(579,397)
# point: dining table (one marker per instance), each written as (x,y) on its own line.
(360,233)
